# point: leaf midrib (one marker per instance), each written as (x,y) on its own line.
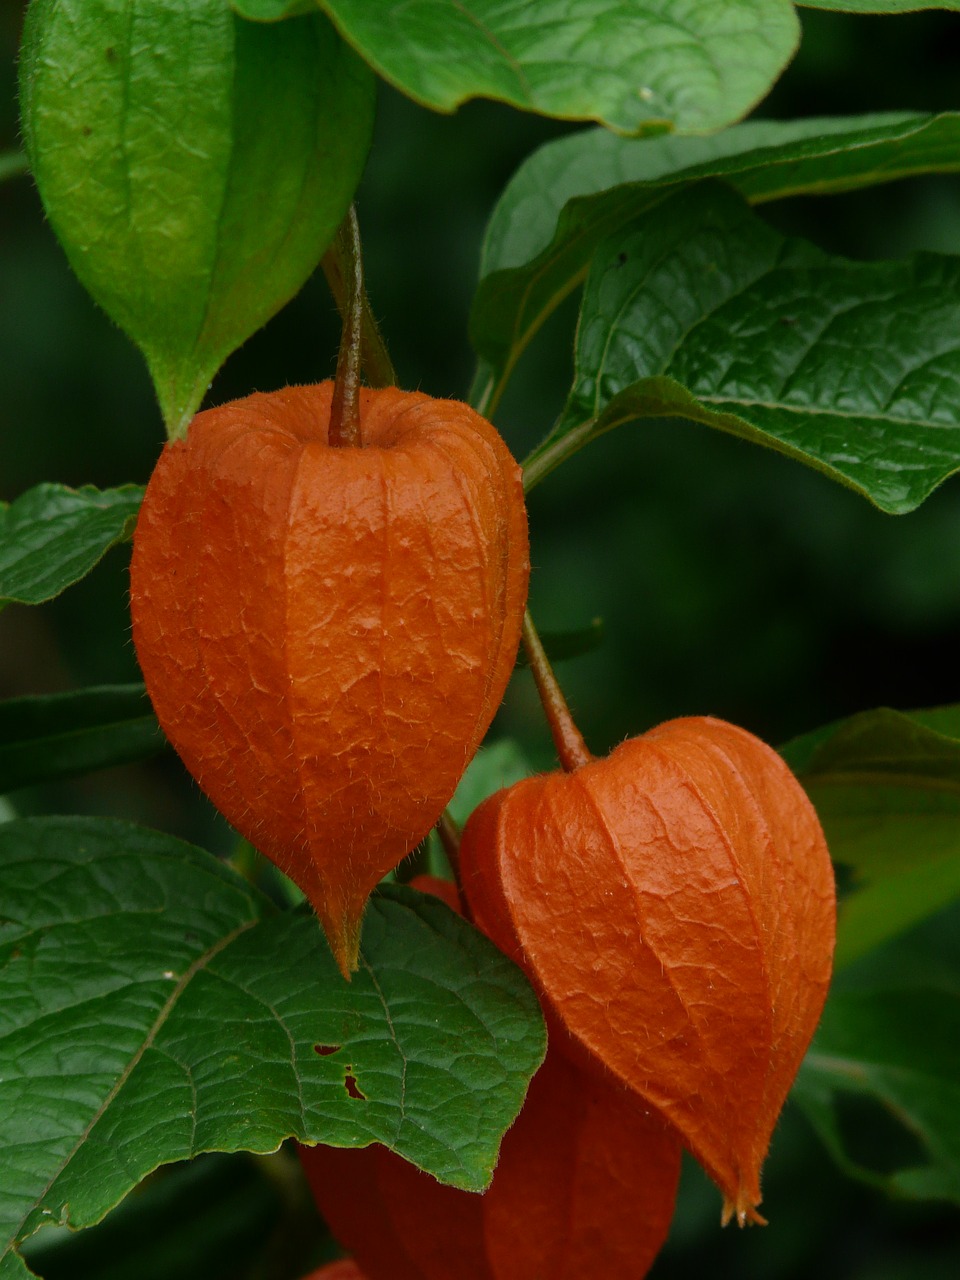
(198,964)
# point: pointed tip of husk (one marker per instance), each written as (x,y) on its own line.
(743,1209)
(343,937)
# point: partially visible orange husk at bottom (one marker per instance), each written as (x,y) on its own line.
(585,1185)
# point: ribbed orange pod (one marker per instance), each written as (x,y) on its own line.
(674,905)
(326,633)
(585,1186)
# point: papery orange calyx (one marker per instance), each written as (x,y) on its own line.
(326,633)
(674,905)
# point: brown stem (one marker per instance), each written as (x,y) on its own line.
(571,749)
(345,410)
(449,834)
(337,267)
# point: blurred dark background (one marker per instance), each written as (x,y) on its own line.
(730,580)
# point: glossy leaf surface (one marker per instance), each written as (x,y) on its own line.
(703,311)
(667,64)
(886,787)
(572,193)
(150,1010)
(52,536)
(193,165)
(59,735)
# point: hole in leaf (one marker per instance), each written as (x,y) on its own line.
(325,1050)
(352,1088)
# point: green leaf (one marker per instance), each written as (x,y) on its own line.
(900,1049)
(500,764)
(886,787)
(59,735)
(150,1011)
(877,6)
(574,192)
(193,165)
(560,645)
(666,64)
(211,1217)
(52,536)
(703,311)
(13,164)
(272,10)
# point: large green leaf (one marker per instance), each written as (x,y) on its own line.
(150,1010)
(886,786)
(703,311)
(59,735)
(666,64)
(193,165)
(52,536)
(574,192)
(764,159)
(901,1050)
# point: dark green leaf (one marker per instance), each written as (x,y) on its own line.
(667,64)
(150,1011)
(886,786)
(52,536)
(272,10)
(576,191)
(59,735)
(560,645)
(900,1049)
(907,747)
(13,164)
(703,311)
(194,167)
(207,1218)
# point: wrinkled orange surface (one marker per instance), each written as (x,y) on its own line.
(674,904)
(585,1186)
(326,633)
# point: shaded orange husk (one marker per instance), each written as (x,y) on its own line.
(674,904)
(585,1186)
(342,1269)
(326,633)
(437,887)
(345,1188)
